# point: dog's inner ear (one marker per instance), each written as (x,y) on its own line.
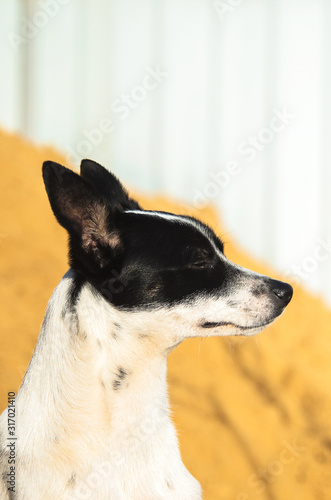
(98,238)
(85,214)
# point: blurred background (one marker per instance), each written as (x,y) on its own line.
(217,107)
(222,101)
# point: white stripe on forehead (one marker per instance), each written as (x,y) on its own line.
(165,215)
(178,218)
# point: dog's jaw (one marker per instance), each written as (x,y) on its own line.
(233,329)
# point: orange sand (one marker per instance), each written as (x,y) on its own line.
(253,415)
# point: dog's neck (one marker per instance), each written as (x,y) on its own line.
(97,382)
(102,362)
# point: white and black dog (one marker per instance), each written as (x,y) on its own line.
(92,415)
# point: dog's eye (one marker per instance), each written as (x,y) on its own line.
(201,264)
(199,259)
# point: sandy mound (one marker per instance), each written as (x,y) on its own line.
(253,415)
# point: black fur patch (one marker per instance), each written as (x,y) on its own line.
(143,336)
(232,303)
(120,376)
(77,285)
(115,332)
(164,262)
(69,314)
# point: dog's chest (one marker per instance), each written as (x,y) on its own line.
(140,467)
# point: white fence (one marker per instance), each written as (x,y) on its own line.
(227,101)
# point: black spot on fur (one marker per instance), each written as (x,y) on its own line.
(258,291)
(232,303)
(143,336)
(77,285)
(69,313)
(122,373)
(72,480)
(117,328)
(120,376)
(116,384)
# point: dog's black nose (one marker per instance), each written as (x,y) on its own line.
(283,291)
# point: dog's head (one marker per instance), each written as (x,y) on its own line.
(172,266)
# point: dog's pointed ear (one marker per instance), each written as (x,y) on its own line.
(83,212)
(108,185)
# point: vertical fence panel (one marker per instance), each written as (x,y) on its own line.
(13,46)
(52,78)
(131,96)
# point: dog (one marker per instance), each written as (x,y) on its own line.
(92,412)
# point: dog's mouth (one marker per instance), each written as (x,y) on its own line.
(209,324)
